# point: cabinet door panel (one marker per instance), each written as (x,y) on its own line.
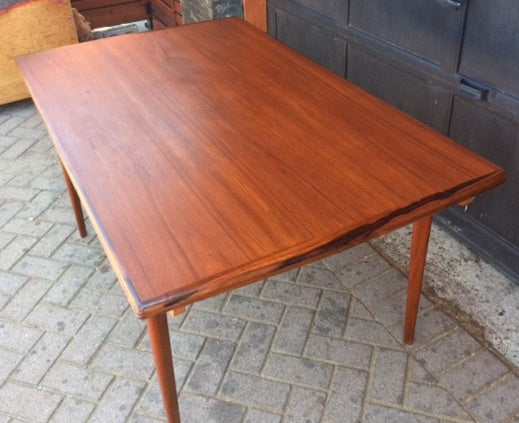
(335,10)
(427,28)
(496,139)
(417,97)
(491,44)
(318,44)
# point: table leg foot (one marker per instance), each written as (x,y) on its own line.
(76,204)
(419,243)
(159,336)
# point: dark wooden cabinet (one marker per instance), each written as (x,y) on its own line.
(452,64)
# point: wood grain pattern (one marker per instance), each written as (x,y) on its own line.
(26,28)
(218,164)
(255,12)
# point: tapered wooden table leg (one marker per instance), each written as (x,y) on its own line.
(76,204)
(159,336)
(419,243)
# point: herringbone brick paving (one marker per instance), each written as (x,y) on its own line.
(320,344)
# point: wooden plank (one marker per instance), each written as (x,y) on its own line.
(217,164)
(99,4)
(26,28)
(118,14)
(255,12)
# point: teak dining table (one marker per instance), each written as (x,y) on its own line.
(211,156)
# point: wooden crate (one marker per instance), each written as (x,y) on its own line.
(28,27)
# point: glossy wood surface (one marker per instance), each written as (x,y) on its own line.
(209,156)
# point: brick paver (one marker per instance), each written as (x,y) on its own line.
(317,344)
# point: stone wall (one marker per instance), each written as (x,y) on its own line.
(204,10)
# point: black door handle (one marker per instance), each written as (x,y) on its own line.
(454,4)
(474,90)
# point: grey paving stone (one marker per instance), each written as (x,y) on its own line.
(290,293)
(32,227)
(257,416)
(210,367)
(348,257)
(29,403)
(138,418)
(379,414)
(15,250)
(75,380)
(27,133)
(431,324)
(118,401)
(88,340)
(347,392)
(447,351)
(417,373)
(103,278)
(292,334)
(388,379)
(187,345)
(380,287)
(332,314)
(8,363)
(38,204)
(497,403)
(362,270)
(434,400)
(254,308)
(197,409)
(17,337)
(72,410)
(25,299)
(212,304)
(250,290)
(32,121)
(370,332)
(17,148)
(4,299)
(392,311)
(151,402)
(298,370)
(46,246)
(289,276)
(254,391)
(57,214)
(40,358)
(9,208)
(124,362)
(339,351)
(305,405)
(18,194)
(213,325)
(54,318)
(40,267)
(67,286)
(253,347)
(98,302)
(357,309)
(9,124)
(473,374)
(79,254)
(5,140)
(128,330)
(320,278)
(10,283)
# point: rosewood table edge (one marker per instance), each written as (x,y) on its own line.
(236,278)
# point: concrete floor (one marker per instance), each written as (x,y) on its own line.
(320,344)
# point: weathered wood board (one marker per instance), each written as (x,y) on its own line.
(26,27)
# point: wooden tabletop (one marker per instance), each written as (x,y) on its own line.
(210,155)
